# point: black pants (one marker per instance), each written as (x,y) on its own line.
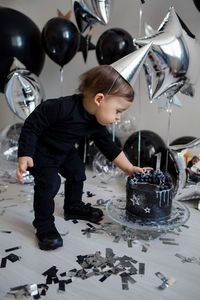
(47,183)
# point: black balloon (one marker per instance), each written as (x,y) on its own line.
(61,39)
(197,4)
(112,45)
(183,140)
(151,144)
(21,38)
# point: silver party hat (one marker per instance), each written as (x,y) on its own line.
(129,66)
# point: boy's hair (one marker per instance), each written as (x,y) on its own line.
(195,157)
(105,79)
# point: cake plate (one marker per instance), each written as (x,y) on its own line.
(115,209)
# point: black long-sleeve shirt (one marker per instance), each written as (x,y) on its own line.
(56,125)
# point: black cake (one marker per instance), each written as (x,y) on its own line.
(149,195)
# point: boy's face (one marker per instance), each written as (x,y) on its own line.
(109,109)
(195,160)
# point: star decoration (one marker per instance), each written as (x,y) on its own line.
(186,189)
(134,180)
(86,45)
(135,200)
(67,15)
(147,210)
(173,63)
(147,172)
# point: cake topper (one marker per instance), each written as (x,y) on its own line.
(158,160)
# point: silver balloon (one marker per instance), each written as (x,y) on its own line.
(91,11)
(163,101)
(105,168)
(148,29)
(173,63)
(23,92)
(8,152)
(125,126)
(188,187)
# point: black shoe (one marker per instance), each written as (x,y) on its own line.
(83,212)
(49,240)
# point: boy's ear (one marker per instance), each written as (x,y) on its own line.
(98,99)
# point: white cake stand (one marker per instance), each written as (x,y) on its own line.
(115,209)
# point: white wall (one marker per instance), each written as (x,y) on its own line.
(125,14)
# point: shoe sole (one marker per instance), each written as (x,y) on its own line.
(52,247)
(75,217)
(44,247)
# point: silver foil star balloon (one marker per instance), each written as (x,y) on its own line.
(188,183)
(23,90)
(148,29)
(163,101)
(172,65)
(89,12)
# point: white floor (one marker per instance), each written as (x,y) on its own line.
(16,216)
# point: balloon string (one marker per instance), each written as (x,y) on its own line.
(85,150)
(140,21)
(113,138)
(113,125)
(139,147)
(15,125)
(61,81)
(113,132)
(169,110)
(139,89)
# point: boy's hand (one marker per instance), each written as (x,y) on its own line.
(125,165)
(141,170)
(23,163)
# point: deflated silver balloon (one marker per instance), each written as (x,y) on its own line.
(188,187)
(23,92)
(99,9)
(169,65)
